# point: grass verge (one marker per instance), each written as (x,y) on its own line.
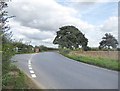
(101,62)
(16,79)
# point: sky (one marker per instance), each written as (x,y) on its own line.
(38,20)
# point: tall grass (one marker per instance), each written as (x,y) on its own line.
(101,62)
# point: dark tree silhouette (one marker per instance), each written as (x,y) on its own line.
(108,41)
(70,37)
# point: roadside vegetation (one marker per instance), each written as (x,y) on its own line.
(12,78)
(108,63)
(16,79)
(70,39)
(43,48)
(22,48)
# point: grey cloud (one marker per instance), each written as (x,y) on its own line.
(39,22)
(39,36)
(44,17)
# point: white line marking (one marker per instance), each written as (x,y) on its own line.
(29,61)
(30,68)
(33,75)
(29,65)
(31,71)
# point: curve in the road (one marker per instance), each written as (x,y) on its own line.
(55,71)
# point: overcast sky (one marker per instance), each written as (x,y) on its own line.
(38,20)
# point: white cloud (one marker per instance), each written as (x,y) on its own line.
(90,0)
(38,21)
(40,14)
(111,26)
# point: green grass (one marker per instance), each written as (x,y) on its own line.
(15,79)
(101,62)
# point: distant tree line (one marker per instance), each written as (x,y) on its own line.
(71,37)
(44,48)
(21,47)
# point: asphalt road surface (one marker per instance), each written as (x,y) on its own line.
(50,70)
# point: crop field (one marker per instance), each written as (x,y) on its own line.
(105,59)
(98,54)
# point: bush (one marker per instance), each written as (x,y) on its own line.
(64,51)
(43,48)
(118,49)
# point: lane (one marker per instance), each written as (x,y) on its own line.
(21,60)
(55,71)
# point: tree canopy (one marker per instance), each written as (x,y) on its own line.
(70,37)
(108,41)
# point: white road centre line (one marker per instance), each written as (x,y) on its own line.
(29,65)
(30,68)
(31,71)
(33,75)
(29,62)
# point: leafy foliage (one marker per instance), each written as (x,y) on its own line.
(43,48)
(70,37)
(22,47)
(5,36)
(98,61)
(108,41)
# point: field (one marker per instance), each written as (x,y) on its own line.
(103,59)
(99,54)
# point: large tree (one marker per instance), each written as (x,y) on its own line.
(108,41)
(70,37)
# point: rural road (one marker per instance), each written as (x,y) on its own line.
(54,71)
